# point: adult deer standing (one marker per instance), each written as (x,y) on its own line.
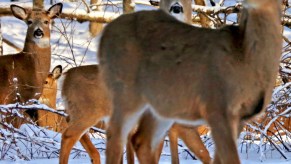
(181,10)
(29,68)
(88,107)
(31,65)
(151,62)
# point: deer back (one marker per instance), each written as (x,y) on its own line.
(84,77)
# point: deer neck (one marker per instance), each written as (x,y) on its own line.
(40,53)
(261,31)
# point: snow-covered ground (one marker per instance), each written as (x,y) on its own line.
(72,45)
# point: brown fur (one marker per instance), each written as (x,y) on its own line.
(190,136)
(31,65)
(49,97)
(185,75)
(74,108)
(85,109)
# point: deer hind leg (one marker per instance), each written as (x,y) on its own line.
(126,113)
(130,149)
(173,137)
(72,134)
(90,148)
(224,131)
(191,138)
(148,140)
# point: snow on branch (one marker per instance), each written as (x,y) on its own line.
(31,107)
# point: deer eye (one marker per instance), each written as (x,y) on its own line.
(29,22)
(46,22)
(46,82)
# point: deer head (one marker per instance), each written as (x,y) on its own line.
(38,22)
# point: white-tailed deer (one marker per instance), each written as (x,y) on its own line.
(88,107)
(85,107)
(49,97)
(181,10)
(150,62)
(29,68)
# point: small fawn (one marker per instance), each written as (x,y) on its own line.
(49,98)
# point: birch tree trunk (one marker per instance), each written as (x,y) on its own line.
(96,28)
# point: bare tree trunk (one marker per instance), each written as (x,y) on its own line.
(128,6)
(38,4)
(205,21)
(96,28)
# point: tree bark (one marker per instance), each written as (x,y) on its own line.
(94,27)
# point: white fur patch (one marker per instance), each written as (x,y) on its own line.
(180,16)
(163,124)
(193,123)
(42,43)
(131,122)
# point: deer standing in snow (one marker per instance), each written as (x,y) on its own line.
(23,74)
(87,107)
(150,62)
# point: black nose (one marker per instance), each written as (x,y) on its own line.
(38,33)
(176,8)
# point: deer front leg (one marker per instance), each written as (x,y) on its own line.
(224,131)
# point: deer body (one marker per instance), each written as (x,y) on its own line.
(31,66)
(181,10)
(49,98)
(149,59)
(92,105)
(85,109)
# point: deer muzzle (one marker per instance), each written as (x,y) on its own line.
(38,33)
(176,8)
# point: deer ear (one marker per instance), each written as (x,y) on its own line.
(57,72)
(55,10)
(18,12)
